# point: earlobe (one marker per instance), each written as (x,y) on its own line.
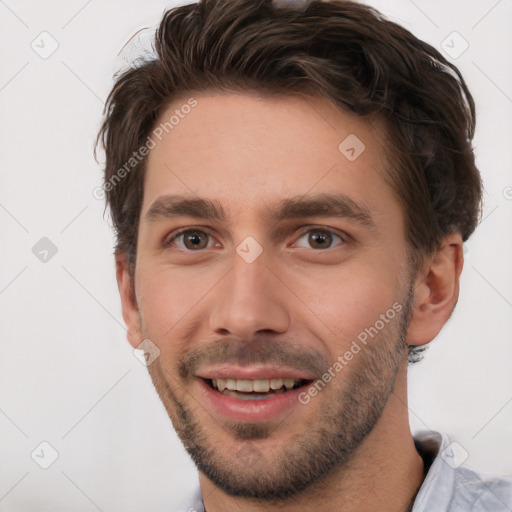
(436,291)
(125,283)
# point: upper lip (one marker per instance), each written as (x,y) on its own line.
(223,371)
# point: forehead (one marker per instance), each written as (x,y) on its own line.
(248,151)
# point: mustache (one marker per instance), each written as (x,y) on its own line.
(246,353)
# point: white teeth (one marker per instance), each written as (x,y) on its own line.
(221,384)
(288,383)
(276,383)
(261,385)
(243,385)
(257,385)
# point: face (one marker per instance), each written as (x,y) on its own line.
(268,258)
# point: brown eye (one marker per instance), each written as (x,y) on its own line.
(192,239)
(320,238)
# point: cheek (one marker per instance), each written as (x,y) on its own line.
(340,303)
(169,298)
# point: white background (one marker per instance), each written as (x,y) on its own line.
(67,374)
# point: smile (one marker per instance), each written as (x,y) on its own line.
(256,389)
(253,400)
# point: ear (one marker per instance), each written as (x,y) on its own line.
(436,291)
(126,286)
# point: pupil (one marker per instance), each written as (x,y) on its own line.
(194,239)
(319,238)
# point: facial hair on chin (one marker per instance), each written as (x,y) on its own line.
(358,399)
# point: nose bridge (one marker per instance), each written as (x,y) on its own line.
(249,300)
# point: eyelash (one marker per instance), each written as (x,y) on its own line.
(169,241)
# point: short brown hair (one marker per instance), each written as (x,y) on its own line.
(341,50)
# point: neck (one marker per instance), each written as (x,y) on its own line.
(384,474)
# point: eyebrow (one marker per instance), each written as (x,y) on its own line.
(320,205)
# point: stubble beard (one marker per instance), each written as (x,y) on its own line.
(340,427)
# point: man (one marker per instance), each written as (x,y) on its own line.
(291,186)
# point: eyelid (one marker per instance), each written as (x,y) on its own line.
(342,235)
(171,237)
(327,229)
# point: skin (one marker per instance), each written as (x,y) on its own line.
(249,152)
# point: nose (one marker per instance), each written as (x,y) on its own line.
(249,300)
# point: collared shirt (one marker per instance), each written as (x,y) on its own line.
(448,485)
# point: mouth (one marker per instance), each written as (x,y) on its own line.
(255,389)
(269,395)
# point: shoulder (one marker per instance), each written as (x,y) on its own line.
(481,492)
(453,487)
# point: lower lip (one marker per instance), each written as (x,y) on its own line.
(249,410)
